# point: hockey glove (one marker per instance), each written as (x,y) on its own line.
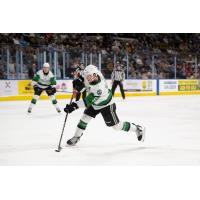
(70,107)
(36,88)
(51,90)
(54,90)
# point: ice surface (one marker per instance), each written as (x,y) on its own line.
(172,137)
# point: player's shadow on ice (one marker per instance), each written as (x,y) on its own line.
(125,150)
(109,150)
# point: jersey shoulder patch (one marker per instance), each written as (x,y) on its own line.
(99,92)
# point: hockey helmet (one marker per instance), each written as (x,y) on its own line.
(90,73)
(90,70)
(46,65)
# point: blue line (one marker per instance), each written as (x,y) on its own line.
(157,87)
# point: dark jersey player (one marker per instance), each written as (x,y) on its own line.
(78,83)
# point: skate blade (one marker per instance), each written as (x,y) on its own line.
(143,135)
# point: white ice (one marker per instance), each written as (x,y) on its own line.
(172,136)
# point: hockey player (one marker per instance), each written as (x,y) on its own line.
(81,66)
(99,100)
(78,83)
(44,80)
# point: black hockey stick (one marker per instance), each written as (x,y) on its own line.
(59,145)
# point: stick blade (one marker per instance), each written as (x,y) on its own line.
(58,150)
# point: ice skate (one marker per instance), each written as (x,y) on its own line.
(29,110)
(140,131)
(58,110)
(73,140)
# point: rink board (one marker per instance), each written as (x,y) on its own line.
(67,96)
(179,87)
(11,90)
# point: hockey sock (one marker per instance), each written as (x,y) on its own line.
(34,101)
(78,132)
(82,125)
(54,101)
(125,126)
(85,119)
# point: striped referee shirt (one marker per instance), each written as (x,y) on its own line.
(118,75)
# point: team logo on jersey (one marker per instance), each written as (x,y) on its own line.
(99,92)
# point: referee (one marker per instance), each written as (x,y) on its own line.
(117,78)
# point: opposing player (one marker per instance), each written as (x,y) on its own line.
(99,100)
(78,83)
(44,80)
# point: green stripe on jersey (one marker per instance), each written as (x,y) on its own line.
(89,100)
(52,81)
(36,78)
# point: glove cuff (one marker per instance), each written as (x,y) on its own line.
(75,105)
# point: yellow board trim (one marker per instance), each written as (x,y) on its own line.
(29,97)
(136,94)
(180,93)
(66,96)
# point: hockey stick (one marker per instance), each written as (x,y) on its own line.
(59,145)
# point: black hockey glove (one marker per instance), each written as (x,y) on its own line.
(36,88)
(51,89)
(70,107)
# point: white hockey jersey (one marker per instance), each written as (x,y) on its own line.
(99,95)
(42,80)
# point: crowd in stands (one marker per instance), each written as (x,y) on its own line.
(146,55)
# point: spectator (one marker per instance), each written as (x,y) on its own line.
(31,71)
(139,47)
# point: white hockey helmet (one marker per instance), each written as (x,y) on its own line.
(90,70)
(46,65)
(90,73)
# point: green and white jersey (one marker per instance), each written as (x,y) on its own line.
(99,95)
(43,81)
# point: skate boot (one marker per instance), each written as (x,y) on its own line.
(29,110)
(73,140)
(58,110)
(140,132)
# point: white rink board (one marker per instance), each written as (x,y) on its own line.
(64,86)
(8,88)
(172,137)
(11,87)
(168,85)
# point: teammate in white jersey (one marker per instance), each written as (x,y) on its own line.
(44,80)
(99,100)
